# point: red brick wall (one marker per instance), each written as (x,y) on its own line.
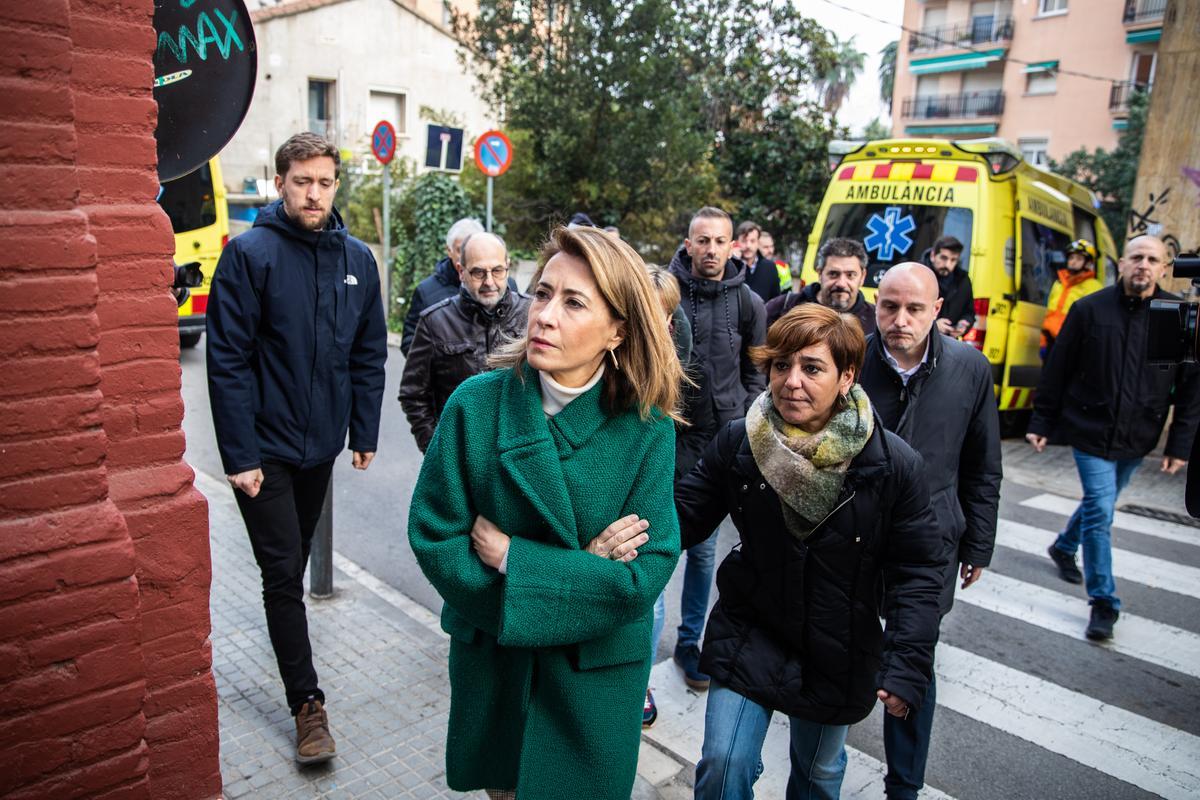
(105,662)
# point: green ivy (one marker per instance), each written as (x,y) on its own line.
(422,209)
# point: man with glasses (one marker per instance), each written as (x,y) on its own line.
(454,337)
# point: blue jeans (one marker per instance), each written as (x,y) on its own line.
(1091,524)
(660,619)
(697,582)
(906,743)
(731,757)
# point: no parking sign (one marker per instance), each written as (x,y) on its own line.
(493,153)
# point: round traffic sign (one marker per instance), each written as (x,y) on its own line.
(493,153)
(383,142)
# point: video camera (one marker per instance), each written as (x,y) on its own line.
(187,277)
(1173,335)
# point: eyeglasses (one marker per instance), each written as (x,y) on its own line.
(479,273)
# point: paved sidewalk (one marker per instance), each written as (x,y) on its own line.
(382,663)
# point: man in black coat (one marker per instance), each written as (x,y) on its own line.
(727,319)
(937,394)
(455,336)
(761,275)
(841,270)
(296,350)
(443,283)
(1098,394)
(954,287)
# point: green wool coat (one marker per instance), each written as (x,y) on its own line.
(548,663)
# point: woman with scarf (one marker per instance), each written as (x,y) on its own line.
(830,506)
(543,516)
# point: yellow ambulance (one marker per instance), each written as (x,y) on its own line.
(898,196)
(199,216)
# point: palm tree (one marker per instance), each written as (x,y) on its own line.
(837,80)
(887,73)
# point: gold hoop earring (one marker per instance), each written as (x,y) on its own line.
(613,353)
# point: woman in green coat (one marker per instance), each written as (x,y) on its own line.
(544,517)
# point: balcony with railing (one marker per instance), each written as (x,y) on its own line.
(1121,93)
(969,105)
(1144,12)
(980,30)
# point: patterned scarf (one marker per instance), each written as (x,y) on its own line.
(806,470)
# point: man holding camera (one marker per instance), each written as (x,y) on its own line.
(1099,394)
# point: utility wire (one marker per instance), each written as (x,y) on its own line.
(939,40)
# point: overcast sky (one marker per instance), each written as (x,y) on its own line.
(863,104)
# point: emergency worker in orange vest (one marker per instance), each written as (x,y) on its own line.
(1076,281)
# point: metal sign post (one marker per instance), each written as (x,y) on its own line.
(383,145)
(320,561)
(493,156)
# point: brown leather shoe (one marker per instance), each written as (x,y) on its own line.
(313,742)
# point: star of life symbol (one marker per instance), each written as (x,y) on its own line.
(890,233)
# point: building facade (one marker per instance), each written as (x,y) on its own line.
(1048,75)
(338,67)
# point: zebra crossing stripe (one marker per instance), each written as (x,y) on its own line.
(1129,747)
(1153,572)
(1138,637)
(1162,529)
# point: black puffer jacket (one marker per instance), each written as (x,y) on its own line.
(727,320)
(452,342)
(796,626)
(947,413)
(1097,392)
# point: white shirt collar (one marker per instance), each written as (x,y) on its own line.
(905,374)
(555,396)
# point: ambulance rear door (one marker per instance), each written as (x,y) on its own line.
(1044,230)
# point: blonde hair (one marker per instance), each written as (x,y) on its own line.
(665,286)
(650,375)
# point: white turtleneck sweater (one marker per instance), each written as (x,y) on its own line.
(555,397)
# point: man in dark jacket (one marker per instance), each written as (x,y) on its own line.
(1098,394)
(455,337)
(841,270)
(443,283)
(727,319)
(937,394)
(954,287)
(761,275)
(296,350)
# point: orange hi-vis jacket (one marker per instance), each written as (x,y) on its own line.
(1070,287)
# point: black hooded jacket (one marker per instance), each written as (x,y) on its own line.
(727,319)
(1098,394)
(947,413)
(296,344)
(796,625)
(863,311)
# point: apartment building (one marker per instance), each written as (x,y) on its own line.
(1049,75)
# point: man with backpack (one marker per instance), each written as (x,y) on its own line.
(727,319)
